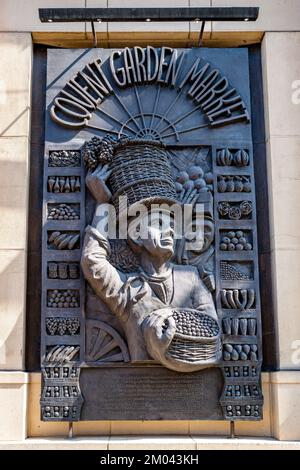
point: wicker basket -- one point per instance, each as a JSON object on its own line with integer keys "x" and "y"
{"x": 192, "y": 348}
{"x": 141, "y": 171}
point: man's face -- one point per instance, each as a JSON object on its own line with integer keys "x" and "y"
{"x": 156, "y": 234}
{"x": 197, "y": 239}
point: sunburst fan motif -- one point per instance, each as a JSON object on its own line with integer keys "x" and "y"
{"x": 148, "y": 112}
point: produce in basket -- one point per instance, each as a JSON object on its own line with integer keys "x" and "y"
{"x": 195, "y": 324}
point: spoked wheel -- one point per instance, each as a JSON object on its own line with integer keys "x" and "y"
{"x": 104, "y": 344}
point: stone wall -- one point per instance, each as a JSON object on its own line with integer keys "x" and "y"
{"x": 15, "y": 90}
{"x": 281, "y": 70}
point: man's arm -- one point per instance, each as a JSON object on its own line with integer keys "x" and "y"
{"x": 104, "y": 278}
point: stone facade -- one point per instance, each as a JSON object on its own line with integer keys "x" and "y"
{"x": 278, "y": 29}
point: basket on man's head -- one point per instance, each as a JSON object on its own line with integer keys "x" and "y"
{"x": 140, "y": 171}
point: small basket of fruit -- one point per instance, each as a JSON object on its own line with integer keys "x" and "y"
{"x": 197, "y": 336}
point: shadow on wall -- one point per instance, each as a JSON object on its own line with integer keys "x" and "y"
{"x": 20, "y": 115}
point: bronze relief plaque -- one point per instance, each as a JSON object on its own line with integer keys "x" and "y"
{"x": 144, "y": 317}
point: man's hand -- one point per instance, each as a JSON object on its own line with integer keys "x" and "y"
{"x": 159, "y": 329}
{"x": 95, "y": 182}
